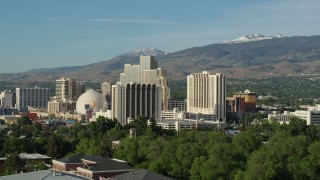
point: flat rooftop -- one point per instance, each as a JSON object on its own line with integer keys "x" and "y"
{"x": 33, "y": 156}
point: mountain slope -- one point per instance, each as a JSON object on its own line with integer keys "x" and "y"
{"x": 247, "y": 59}
{"x": 266, "y": 57}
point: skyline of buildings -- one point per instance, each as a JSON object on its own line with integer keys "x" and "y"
{"x": 141, "y": 91}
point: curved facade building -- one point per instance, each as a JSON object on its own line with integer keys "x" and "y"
{"x": 91, "y": 100}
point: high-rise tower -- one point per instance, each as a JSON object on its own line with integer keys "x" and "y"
{"x": 147, "y": 72}
{"x": 67, "y": 92}
{"x": 68, "y": 89}
{"x": 142, "y": 91}
{"x": 206, "y": 94}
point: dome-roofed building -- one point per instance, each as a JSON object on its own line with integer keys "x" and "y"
{"x": 91, "y": 100}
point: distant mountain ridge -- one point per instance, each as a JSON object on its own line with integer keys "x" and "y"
{"x": 251, "y": 38}
{"x": 259, "y": 58}
{"x": 146, "y": 52}
{"x": 132, "y": 54}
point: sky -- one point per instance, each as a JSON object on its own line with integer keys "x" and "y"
{"x": 58, "y": 33}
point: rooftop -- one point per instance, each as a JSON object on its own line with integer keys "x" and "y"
{"x": 102, "y": 164}
{"x": 141, "y": 174}
{"x": 44, "y": 175}
{"x": 33, "y": 156}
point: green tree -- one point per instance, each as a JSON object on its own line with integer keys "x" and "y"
{"x": 128, "y": 151}
{"x": 37, "y": 129}
{"x": 185, "y": 154}
{"x": 312, "y": 162}
{"x": 17, "y": 145}
{"x": 35, "y": 166}
{"x": 197, "y": 165}
{"x": 55, "y": 146}
{"x": 40, "y": 145}
{"x": 281, "y": 158}
{"x": 141, "y": 124}
{"x": 88, "y": 146}
{"x": 24, "y": 121}
{"x": 297, "y": 126}
{"x": 223, "y": 162}
{"x": 13, "y": 164}
{"x": 105, "y": 149}
{"x": 246, "y": 143}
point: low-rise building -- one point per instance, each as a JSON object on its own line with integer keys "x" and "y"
{"x": 241, "y": 103}
{"x": 189, "y": 124}
{"x": 92, "y": 167}
{"x": 107, "y": 114}
{"x": 281, "y": 118}
{"x": 25, "y": 158}
{"x": 60, "y": 106}
{"x": 10, "y": 119}
{"x": 312, "y": 117}
{"x": 206, "y": 117}
{"x": 173, "y": 114}
{"x": 179, "y": 105}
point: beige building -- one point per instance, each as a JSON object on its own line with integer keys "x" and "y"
{"x": 206, "y": 94}
{"x": 6, "y": 99}
{"x": 68, "y": 89}
{"x": 142, "y": 91}
{"x": 60, "y": 106}
{"x": 147, "y": 72}
{"x": 173, "y": 114}
{"x": 133, "y": 100}
{"x": 67, "y": 93}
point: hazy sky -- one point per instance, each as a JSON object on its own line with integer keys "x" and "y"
{"x": 55, "y": 33}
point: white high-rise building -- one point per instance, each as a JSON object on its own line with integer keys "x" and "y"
{"x": 206, "y": 94}
{"x": 35, "y": 97}
{"x": 142, "y": 91}
{"x": 118, "y": 98}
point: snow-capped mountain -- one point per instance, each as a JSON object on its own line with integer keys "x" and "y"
{"x": 252, "y": 37}
{"x": 146, "y": 52}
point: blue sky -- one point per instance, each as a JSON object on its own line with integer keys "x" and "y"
{"x": 55, "y": 33}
